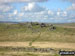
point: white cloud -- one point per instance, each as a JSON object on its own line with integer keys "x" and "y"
{"x": 15, "y": 12}
{"x": 5, "y": 8}
{"x": 58, "y": 13}
{"x": 61, "y": 13}
{"x": 29, "y": 7}
{"x": 33, "y": 7}
{"x": 71, "y": 7}
{"x": 34, "y": 12}
{"x": 64, "y": 13}
{"x": 11, "y": 1}
{"x": 50, "y": 12}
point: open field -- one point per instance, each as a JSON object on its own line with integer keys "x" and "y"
{"x": 66, "y": 25}
{"x": 23, "y": 32}
{"x": 27, "y": 35}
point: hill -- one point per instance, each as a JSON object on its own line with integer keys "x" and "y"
{"x": 31, "y": 31}
{"x": 16, "y": 37}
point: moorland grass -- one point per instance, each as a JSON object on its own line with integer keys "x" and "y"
{"x": 22, "y": 33}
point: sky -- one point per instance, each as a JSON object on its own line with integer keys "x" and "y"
{"x": 51, "y": 11}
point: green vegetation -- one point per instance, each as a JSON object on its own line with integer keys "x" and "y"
{"x": 26, "y": 32}
{"x": 56, "y": 55}
{"x": 34, "y": 32}
{"x": 24, "y": 54}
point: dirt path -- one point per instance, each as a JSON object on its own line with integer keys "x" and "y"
{"x": 40, "y": 44}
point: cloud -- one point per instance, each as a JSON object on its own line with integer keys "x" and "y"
{"x": 43, "y": 16}
{"x": 36, "y": 15}
{"x": 73, "y": 4}
{"x": 5, "y": 8}
{"x": 30, "y": 12}
{"x": 50, "y": 12}
{"x": 11, "y": 1}
{"x": 15, "y": 12}
{"x": 73, "y": 1}
{"x": 64, "y": 13}
{"x": 34, "y": 12}
{"x": 32, "y": 7}
{"x": 71, "y": 7}
{"x": 58, "y": 13}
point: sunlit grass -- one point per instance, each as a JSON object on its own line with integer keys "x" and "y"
{"x": 17, "y": 32}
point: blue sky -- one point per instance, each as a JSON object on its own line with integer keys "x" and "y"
{"x": 51, "y": 4}
{"x": 53, "y": 11}
{"x": 55, "y": 4}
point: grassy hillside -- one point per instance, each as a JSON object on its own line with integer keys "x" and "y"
{"x": 15, "y": 37}
{"x": 27, "y": 32}
{"x": 69, "y": 25}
